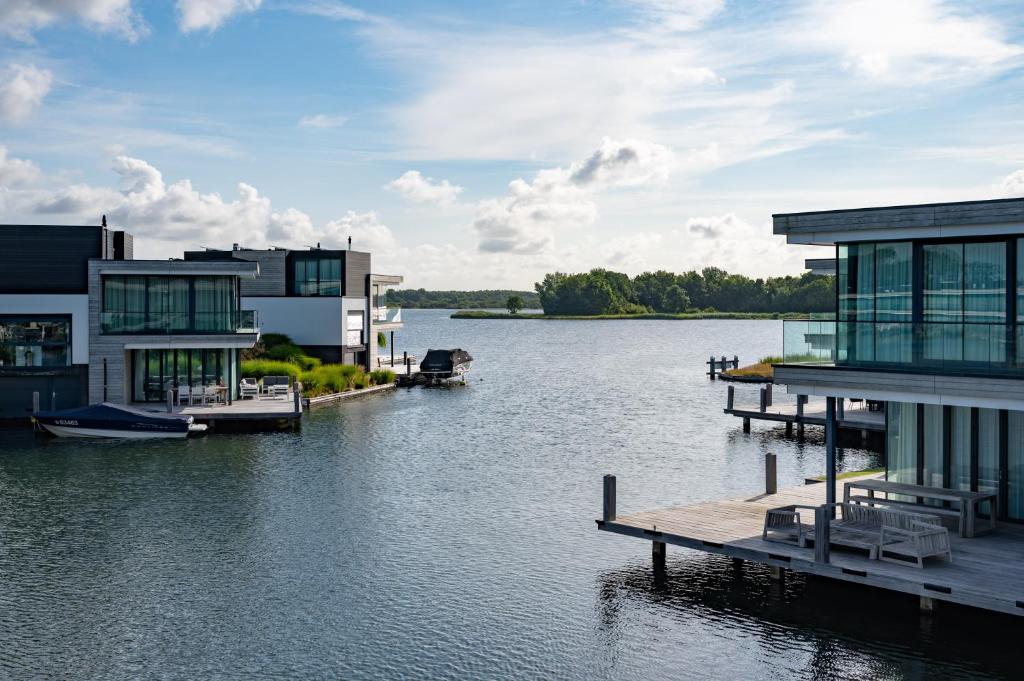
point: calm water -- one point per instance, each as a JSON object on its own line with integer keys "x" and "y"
{"x": 448, "y": 533}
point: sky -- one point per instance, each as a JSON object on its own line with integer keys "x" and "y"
{"x": 471, "y": 144}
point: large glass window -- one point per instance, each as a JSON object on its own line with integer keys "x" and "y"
{"x": 1015, "y": 465}
{"x": 315, "y": 276}
{"x": 875, "y": 283}
{"x": 159, "y": 304}
{"x": 31, "y": 341}
{"x": 960, "y": 449}
{"x": 154, "y": 372}
{"x": 901, "y": 442}
{"x": 933, "y": 446}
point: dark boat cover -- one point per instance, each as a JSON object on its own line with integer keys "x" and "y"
{"x": 115, "y": 417}
{"x": 443, "y": 361}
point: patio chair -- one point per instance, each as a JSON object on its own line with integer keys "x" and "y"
{"x": 211, "y": 394}
{"x": 784, "y": 525}
{"x": 184, "y": 394}
{"x": 247, "y": 387}
{"x": 913, "y": 545}
{"x": 197, "y": 394}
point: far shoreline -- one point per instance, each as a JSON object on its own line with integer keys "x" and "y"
{"x": 682, "y": 316}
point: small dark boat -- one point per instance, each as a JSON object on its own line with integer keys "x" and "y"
{"x": 115, "y": 420}
{"x": 445, "y": 364}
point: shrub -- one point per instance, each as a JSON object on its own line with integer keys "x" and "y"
{"x": 258, "y": 368}
{"x": 770, "y": 359}
{"x": 285, "y": 352}
{"x": 382, "y": 376}
{"x": 272, "y": 340}
{"x": 332, "y": 378}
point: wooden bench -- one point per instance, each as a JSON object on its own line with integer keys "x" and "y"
{"x": 965, "y": 504}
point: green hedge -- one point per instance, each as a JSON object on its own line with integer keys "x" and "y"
{"x": 258, "y": 368}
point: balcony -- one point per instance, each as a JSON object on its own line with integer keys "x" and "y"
{"x": 951, "y": 348}
{"x": 387, "y": 315}
{"x": 179, "y": 323}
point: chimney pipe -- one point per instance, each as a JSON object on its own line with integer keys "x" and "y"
{"x": 104, "y": 220}
{"x": 350, "y": 243}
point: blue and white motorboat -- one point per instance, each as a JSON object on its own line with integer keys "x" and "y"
{"x": 116, "y": 420}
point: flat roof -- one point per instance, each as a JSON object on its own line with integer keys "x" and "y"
{"x": 917, "y": 221}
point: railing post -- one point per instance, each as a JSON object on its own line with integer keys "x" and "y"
{"x": 608, "y": 513}
{"x": 764, "y": 401}
{"x": 770, "y": 470}
{"x": 821, "y": 534}
{"x": 730, "y": 397}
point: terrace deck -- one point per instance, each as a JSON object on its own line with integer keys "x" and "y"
{"x": 814, "y": 415}
{"x": 985, "y": 572}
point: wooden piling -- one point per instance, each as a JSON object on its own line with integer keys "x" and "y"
{"x": 789, "y": 427}
{"x": 170, "y": 400}
{"x": 658, "y": 552}
{"x": 297, "y": 396}
{"x": 768, "y": 390}
{"x": 735, "y": 362}
{"x": 763, "y": 406}
{"x": 770, "y": 474}
{"x": 821, "y": 533}
{"x": 711, "y": 371}
{"x": 608, "y": 513}
{"x": 35, "y": 402}
{"x": 801, "y": 400}
{"x": 927, "y": 605}
{"x": 730, "y": 397}
{"x": 776, "y": 573}
{"x": 746, "y": 424}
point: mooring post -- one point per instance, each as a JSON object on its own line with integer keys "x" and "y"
{"x": 764, "y": 401}
{"x": 658, "y": 554}
{"x": 711, "y": 363}
{"x": 392, "y": 350}
{"x": 608, "y": 513}
{"x": 776, "y": 574}
{"x": 789, "y": 427}
{"x": 408, "y": 367}
{"x": 746, "y": 424}
{"x": 768, "y": 388}
{"x": 170, "y": 400}
{"x": 735, "y": 361}
{"x": 801, "y": 400}
{"x": 297, "y": 397}
{"x": 730, "y": 397}
{"x": 927, "y": 605}
{"x": 821, "y": 533}
{"x": 770, "y": 471}
{"x": 841, "y": 408}
{"x": 35, "y": 402}
{"x": 724, "y": 364}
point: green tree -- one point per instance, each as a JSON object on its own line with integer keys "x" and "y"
{"x": 382, "y": 340}
{"x": 514, "y": 304}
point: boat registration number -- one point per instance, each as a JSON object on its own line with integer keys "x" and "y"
{"x": 65, "y": 422}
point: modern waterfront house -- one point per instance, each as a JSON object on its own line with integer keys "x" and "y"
{"x": 325, "y": 300}
{"x": 81, "y": 321}
{"x": 930, "y": 320}
{"x": 930, "y": 324}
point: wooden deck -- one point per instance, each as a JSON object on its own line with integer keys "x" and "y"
{"x": 985, "y": 572}
{"x": 814, "y": 415}
{"x": 262, "y": 414}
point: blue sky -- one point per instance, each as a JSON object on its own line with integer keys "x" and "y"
{"x": 475, "y": 144}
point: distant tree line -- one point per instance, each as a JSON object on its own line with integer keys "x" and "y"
{"x": 601, "y": 291}
{"x": 460, "y": 300}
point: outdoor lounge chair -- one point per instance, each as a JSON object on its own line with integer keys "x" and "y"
{"x": 920, "y": 541}
{"x": 247, "y": 387}
{"x": 784, "y": 525}
{"x": 865, "y": 527}
{"x": 275, "y": 385}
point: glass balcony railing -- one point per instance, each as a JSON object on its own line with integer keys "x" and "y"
{"x": 184, "y": 323}
{"x": 932, "y": 347}
{"x": 387, "y": 315}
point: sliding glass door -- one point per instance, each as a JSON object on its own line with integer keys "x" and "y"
{"x": 154, "y": 372}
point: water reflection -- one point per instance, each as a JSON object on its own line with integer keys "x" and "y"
{"x": 806, "y": 627}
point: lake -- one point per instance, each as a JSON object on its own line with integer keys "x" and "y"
{"x": 449, "y": 533}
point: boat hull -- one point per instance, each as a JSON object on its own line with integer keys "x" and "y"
{"x": 71, "y": 431}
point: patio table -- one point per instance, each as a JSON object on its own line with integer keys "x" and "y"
{"x": 966, "y": 503}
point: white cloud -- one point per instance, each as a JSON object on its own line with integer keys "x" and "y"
{"x": 679, "y": 15}
{"x": 415, "y": 187}
{"x": 630, "y": 253}
{"x": 1013, "y": 185}
{"x": 15, "y": 172}
{"x": 20, "y": 19}
{"x": 209, "y": 15}
{"x": 910, "y": 40}
{"x": 367, "y": 231}
{"x": 322, "y": 121}
{"x": 522, "y": 222}
{"x": 338, "y": 11}
{"x": 22, "y": 88}
{"x": 714, "y": 226}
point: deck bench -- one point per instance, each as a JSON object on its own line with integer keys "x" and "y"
{"x": 784, "y": 525}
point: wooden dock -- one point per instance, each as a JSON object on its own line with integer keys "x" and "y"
{"x": 985, "y": 571}
{"x": 266, "y": 413}
{"x": 803, "y": 413}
